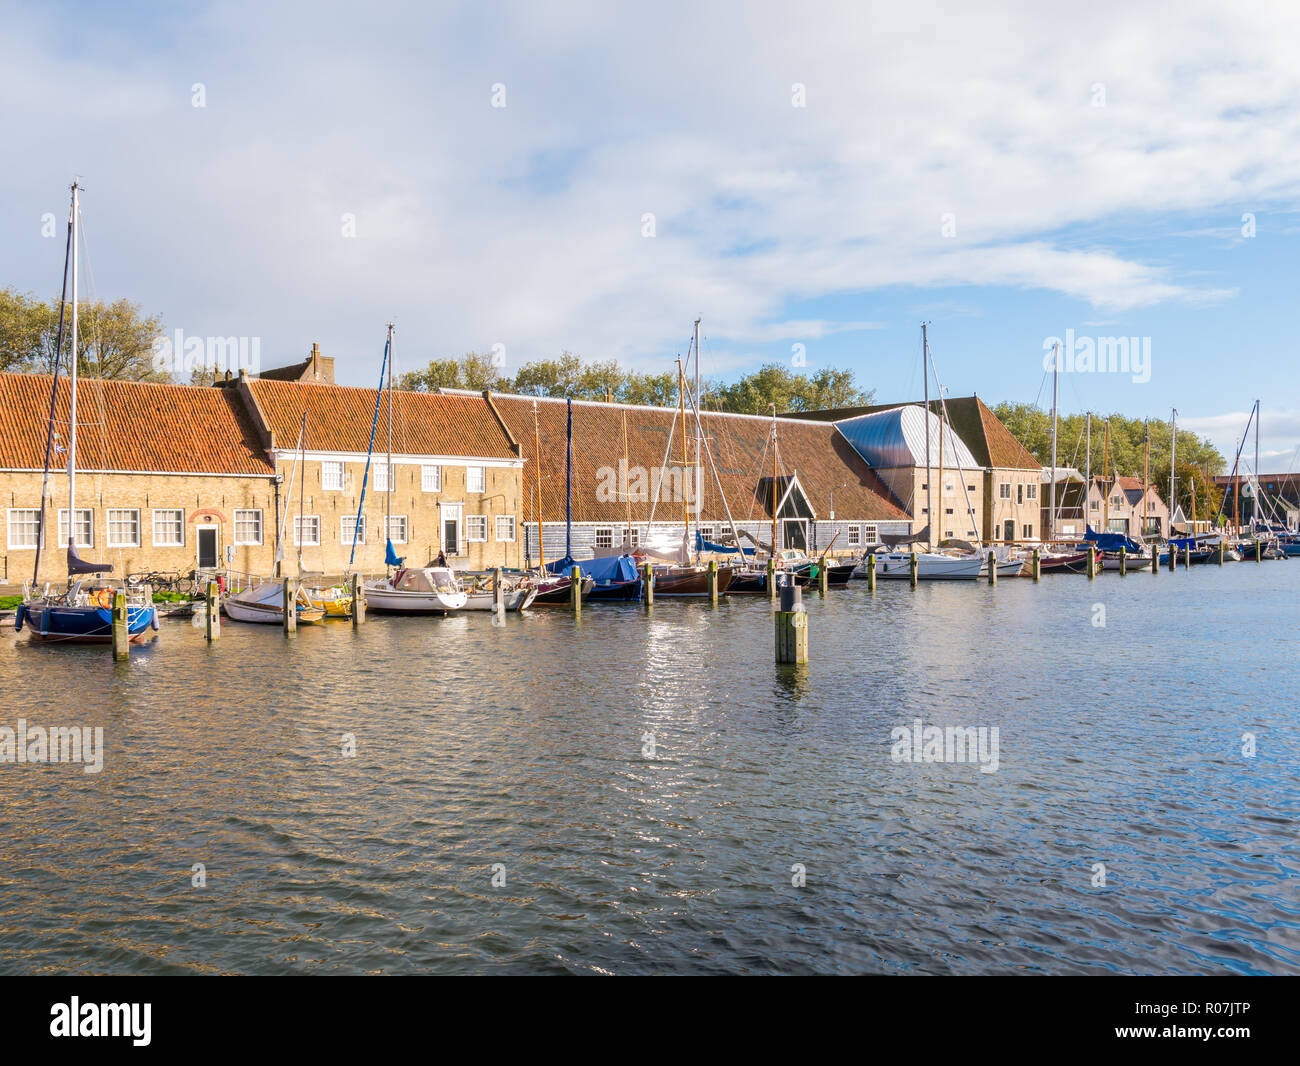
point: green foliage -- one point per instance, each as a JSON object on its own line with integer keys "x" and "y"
{"x": 114, "y": 340}
{"x": 570, "y": 376}
{"x": 1032, "y": 426}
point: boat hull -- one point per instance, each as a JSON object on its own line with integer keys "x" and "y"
{"x": 897, "y": 566}
{"x": 555, "y": 593}
{"x": 268, "y": 614}
{"x": 689, "y": 582}
{"x": 616, "y": 591}
{"x": 1073, "y": 563}
{"x": 82, "y": 625}
{"x": 512, "y": 600}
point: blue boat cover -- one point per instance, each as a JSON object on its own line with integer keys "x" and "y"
{"x": 391, "y": 557}
{"x": 1181, "y": 543}
{"x": 702, "y": 545}
{"x": 1112, "y": 542}
{"x": 606, "y": 568}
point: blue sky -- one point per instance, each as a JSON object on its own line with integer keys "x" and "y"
{"x": 1092, "y": 169}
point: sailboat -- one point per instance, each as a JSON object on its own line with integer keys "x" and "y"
{"x": 82, "y": 612}
{"x": 410, "y": 590}
{"x": 930, "y": 565}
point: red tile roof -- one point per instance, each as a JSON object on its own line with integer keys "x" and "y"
{"x": 130, "y": 426}
{"x": 339, "y": 418}
{"x": 817, "y": 452}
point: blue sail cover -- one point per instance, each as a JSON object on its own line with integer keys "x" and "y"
{"x": 702, "y": 545}
{"x": 1182, "y": 543}
{"x": 391, "y": 558}
{"x": 606, "y": 568}
{"x": 1111, "y": 542}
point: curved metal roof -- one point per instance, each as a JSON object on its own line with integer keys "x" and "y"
{"x": 896, "y": 437}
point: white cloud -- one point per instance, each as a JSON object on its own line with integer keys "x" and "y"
{"x": 522, "y": 225}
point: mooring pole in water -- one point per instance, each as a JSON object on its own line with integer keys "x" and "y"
{"x": 1037, "y": 566}
{"x": 791, "y": 627}
{"x": 358, "y": 601}
{"x": 575, "y": 590}
{"x": 915, "y": 567}
{"x": 823, "y": 578}
{"x": 648, "y": 584}
{"x": 498, "y": 591}
{"x": 713, "y": 582}
{"x": 1092, "y": 563}
{"x": 1155, "y": 558}
{"x": 1123, "y": 562}
{"x": 871, "y": 572}
{"x": 1187, "y": 558}
{"x": 212, "y": 624}
{"x": 1220, "y": 551}
{"x": 290, "y": 606}
{"x": 993, "y": 569}
{"x": 1173, "y": 557}
{"x": 121, "y": 639}
{"x": 1259, "y": 552}
{"x": 771, "y": 579}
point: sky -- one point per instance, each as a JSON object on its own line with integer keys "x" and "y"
{"x": 813, "y": 181}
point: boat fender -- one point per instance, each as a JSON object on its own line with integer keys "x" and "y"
{"x": 18, "y": 618}
{"x": 153, "y": 619}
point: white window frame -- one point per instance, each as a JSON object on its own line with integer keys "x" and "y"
{"x": 336, "y": 470}
{"x": 108, "y": 527}
{"x": 405, "y": 528}
{"x": 471, "y": 520}
{"x": 510, "y": 539}
{"x": 346, "y": 523}
{"x": 1031, "y": 492}
{"x": 854, "y": 535}
{"x": 63, "y": 521}
{"x": 1004, "y": 490}
{"x": 383, "y": 475}
{"x": 480, "y": 474}
{"x": 36, "y": 513}
{"x": 431, "y": 478}
{"x": 239, "y": 541}
{"x": 298, "y": 519}
{"x": 179, "y": 512}
{"x": 603, "y": 537}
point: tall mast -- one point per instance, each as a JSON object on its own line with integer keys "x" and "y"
{"x": 1105, "y": 476}
{"x": 681, "y": 411}
{"x": 388, "y": 476}
{"x": 699, "y": 436}
{"x": 1173, "y": 451}
{"x": 929, "y": 492}
{"x": 1087, "y": 468}
{"x": 302, "y": 485}
{"x": 1056, "y": 363}
{"x": 1254, "y": 500}
{"x": 1146, "y": 476}
{"x": 537, "y": 466}
{"x": 627, "y": 491}
{"x": 775, "y": 498}
{"x": 72, "y": 378}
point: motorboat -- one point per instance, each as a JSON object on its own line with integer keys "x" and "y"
{"x": 264, "y": 603}
{"x": 417, "y": 590}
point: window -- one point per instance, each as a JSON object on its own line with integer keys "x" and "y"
{"x": 123, "y": 527}
{"x": 604, "y": 537}
{"x": 348, "y": 524}
{"x": 1027, "y": 532}
{"x": 306, "y": 530}
{"x": 970, "y": 488}
{"x": 635, "y": 536}
{"x": 397, "y": 528}
{"x": 248, "y": 527}
{"x": 24, "y": 527}
{"x": 475, "y": 479}
{"x": 1031, "y": 492}
{"x": 382, "y": 475}
{"x": 168, "y": 528}
{"x": 947, "y": 510}
{"x": 85, "y": 528}
{"x": 331, "y": 477}
{"x": 1094, "y": 505}
{"x": 431, "y": 478}
{"x": 855, "y": 536}
{"x": 476, "y": 527}
{"x": 505, "y": 527}
{"x": 1020, "y": 494}
{"x": 869, "y": 532}
{"x": 1004, "y": 490}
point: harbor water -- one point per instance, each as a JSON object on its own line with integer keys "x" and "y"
{"x": 643, "y": 791}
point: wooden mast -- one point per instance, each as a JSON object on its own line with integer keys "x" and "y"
{"x": 929, "y": 491}
{"x": 627, "y": 490}
{"x": 775, "y": 498}
{"x": 681, "y": 410}
{"x": 537, "y": 467}
{"x": 388, "y": 473}
{"x": 72, "y": 384}
{"x": 1105, "y": 476}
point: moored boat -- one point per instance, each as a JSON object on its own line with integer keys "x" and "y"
{"x": 264, "y": 604}
{"x": 416, "y": 590}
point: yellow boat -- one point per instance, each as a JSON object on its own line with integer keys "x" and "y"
{"x": 335, "y": 601}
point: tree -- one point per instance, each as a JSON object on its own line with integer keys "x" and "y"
{"x": 775, "y": 383}
{"x": 470, "y": 371}
{"x": 114, "y": 340}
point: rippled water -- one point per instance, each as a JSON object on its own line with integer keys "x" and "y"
{"x": 522, "y": 744}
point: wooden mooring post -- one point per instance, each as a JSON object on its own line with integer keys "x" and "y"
{"x": 121, "y": 638}
{"x": 1092, "y": 563}
{"x": 993, "y": 569}
{"x": 823, "y": 577}
{"x": 713, "y": 582}
{"x": 1173, "y": 557}
{"x": 1155, "y": 559}
{"x": 290, "y": 606}
{"x": 498, "y": 591}
{"x": 1123, "y": 562}
{"x": 791, "y": 627}
{"x": 648, "y": 584}
{"x": 575, "y": 590}
{"x": 1259, "y": 551}
{"x": 212, "y": 624}
{"x": 915, "y": 569}
{"x": 1037, "y": 565}
{"x": 871, "y": 572}
{"x": 771, "y": 578}
{"x": 1187, "y": 557}
{"x": 1220, "y": 551}
{"x": 358, "y": 601}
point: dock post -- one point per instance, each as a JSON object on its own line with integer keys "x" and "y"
{"x": 915, "y": 568}
{"x": 1259, "y": 553}
{"x": 871, "y": 572}
{"x": 713, "y": 582}
{"x": 1173, "y": 557}
{"x": 1037, "y": 565}
{"x": 212, "y": 625}
{"x": 575, "y": 590}
{"x": 993, "y": 569}
{"x": 358, "y": 601}
{"x": 290, "y": 607}
{"x": 1220, "y": 551}
{"x": 1187, "y": 556}
{"x": 823, "y": 577}
{"x": 771, "y": 579}
{"x": 1092, "y": 563}
{"x": 1155, "y": 558}
{"x": 791, "y": 628}
{"x": 1123, "y": 562}
{"x": 498, "y": 591}
{"x": 648, "y": 584}
{"x": 121, "y": 639}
